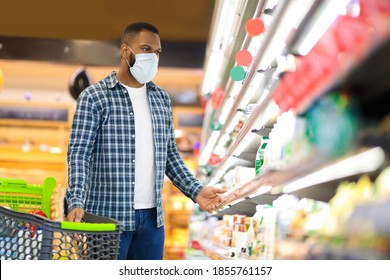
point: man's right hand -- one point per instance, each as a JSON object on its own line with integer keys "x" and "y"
{"x": 75, "y": 215}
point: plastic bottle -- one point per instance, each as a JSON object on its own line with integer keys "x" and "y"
{"x": 250, "y": 239}
{"x": 268, "y": 232}
{"x": 260, "y": 155}
{"x": 257, "y": 220}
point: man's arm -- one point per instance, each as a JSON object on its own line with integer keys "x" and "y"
{"x": 208, "y": 198}
{"x": 81, "y": 141}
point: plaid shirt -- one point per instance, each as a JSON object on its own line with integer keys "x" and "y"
{"x": 102, "y": 146}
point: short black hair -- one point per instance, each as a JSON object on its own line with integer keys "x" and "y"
{"x": 133, "y": 29}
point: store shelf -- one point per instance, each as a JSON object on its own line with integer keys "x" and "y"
{"x": 332, "y": 65}
{"x": 273, "y": 36}
{"x": 317, "y": 179}
{"x": 370, "y": 83}
{"x": 246, "y": 142}
{"x": 218, "y": 253}
{"x": 348, "y": 75}
{"x": 322, "y": 252}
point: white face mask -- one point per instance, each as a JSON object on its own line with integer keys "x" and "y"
{"x": 145, "y": 67}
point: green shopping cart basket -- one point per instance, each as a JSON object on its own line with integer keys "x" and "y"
{"x": 26, "y": 236}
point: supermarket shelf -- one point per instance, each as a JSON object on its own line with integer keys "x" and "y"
{"x": 218, "y": 253}
{"x": 370, "y": 82}
{"x": 295, "y": 249}
{"x": 355, "y": 72}
{"x": 253, "y": 69}
{"x": 313, "y": 249}
{"x": 316, "y": 180}
{"x": 322, "y": 252}
{"x": 269, "y": 38}
{"x": 350, "y": 75}
{"x": 245, "y": 207}
{"x": 362, "y": 70}
{"x": 243, "y": 138}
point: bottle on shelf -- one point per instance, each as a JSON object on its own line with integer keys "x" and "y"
{"x": 250, "y": 238}
{"x": 260, "y": 154}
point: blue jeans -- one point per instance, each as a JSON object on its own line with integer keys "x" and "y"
{"x": 147, "y": 241}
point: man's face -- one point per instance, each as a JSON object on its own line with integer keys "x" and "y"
{"x": 145, "y": 42}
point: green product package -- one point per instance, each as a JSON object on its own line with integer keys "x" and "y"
{"x": 260, "y": 155}
{"x": 333, "y": 123}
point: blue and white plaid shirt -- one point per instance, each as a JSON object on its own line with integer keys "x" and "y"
{"x": 101, "y": 148}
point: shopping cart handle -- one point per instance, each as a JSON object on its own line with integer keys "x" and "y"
{"x": 91, "y": 223}
{"x": 87, "y": 226}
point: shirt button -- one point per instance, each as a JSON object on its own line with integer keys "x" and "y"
{"x": 132, "y": 136}
{"x": 133, "y": 160}
{"x": 131, "y": 113}
{"x": 133, "y": 183}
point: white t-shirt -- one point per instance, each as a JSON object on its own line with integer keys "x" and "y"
{"x": 145, "y": 171}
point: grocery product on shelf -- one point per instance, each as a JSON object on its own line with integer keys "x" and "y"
{"x": 293, "y": 228}
{"x": 328, "y": 129}
{"x": 342, "y": 204}
{"x": 314, "y": 186}
{"x": 285, "y": 206}
{"x": 346, "y": 41}
{"x": 308, "y": 219}
{"x": 288, "y": 143}
{"x": 236, "y": 178}
{"x": 383, "y": 184}
{"x": 257, "y": 219}
{"x": 250, "y": 238}
{"x": 260, "y": 155}
{"x": 333, "y": 125}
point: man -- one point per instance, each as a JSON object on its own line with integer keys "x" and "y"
{"x": 122, "y": 143}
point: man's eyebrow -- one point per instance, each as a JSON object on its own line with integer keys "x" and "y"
{"x": 149, "y": 46}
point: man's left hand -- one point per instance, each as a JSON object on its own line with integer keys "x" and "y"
{"x": 210, "y": 199}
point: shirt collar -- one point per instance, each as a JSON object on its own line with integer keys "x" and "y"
{"x": 111, "y": 80}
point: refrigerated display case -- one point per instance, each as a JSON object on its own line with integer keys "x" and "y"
{"x": 317, "y": 90}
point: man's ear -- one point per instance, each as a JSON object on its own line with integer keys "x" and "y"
{"x": 124, "y": 50}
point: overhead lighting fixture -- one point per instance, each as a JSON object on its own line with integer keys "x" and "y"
{"x": 55, "y": 150}
{"x": 179, "y": 133}
{"x": 222, "y": 32}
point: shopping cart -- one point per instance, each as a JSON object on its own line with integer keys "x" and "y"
{"x": 26, "y": 236}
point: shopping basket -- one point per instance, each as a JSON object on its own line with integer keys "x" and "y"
{"x": 26, "y": 236}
